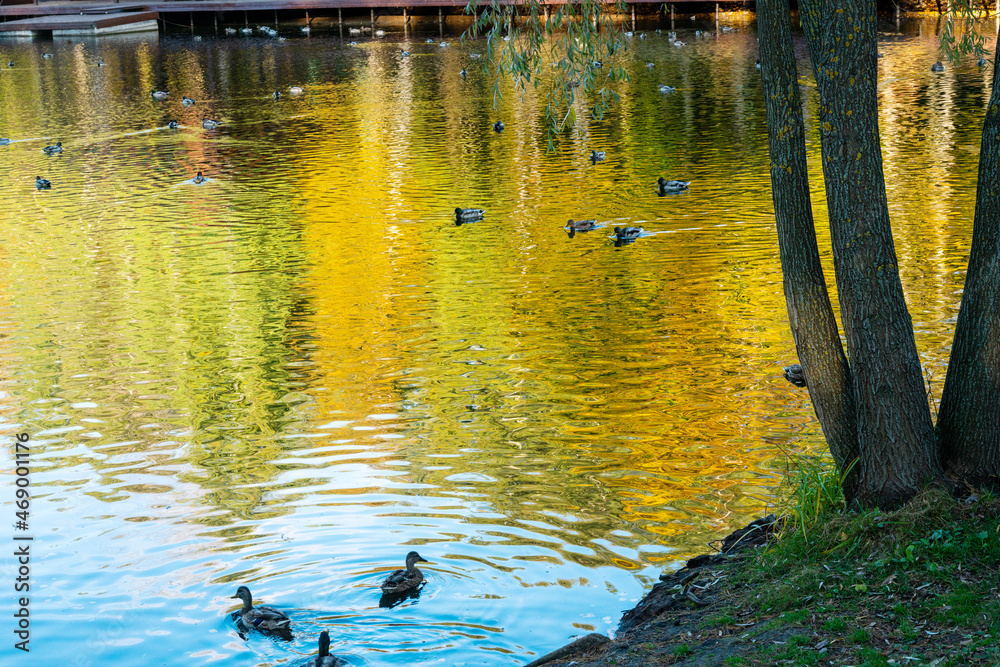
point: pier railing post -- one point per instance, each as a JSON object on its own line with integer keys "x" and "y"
{"x": 671, "y": 15}
{"x": 716, "y": 12}
{"x": 633, "y": 17}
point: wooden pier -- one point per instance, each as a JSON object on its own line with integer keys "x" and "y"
{"x": 31, "y": 17}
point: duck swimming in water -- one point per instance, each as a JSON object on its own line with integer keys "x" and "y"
{"x": 596, "y": 156}
{"x": 265, "y": 619}
{"x": 210, "y": 124}
{"x": 795, "y": 375}
{"x": 172, "y": 125}
{"x": 52, "y": 150}
{"x": 296, "y": 90}
{"x": 937, "y": 67}
{"x": 187, "y": 101}
{"x": 402, "y": 581}
{"x": 276, "y": 94}
{"x": 498, "y": 126}
{"x": 199, "y": 179}
{"x": 581, "y": 225}
{"x": 324, "y": 659}
{"x": 672, "y": 186}
{"x": 627, "y": 232}
{"x": 159, "y": 94}
{"x": 42, "y": 183}
{"x": 468, "y": 214}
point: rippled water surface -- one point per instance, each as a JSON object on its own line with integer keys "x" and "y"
{"x": 290, "y": 375}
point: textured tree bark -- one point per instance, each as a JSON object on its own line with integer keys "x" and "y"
{"x": 969, "y": 419}
{"x": 810, "y": 314}
{"x": 895, "y": 434}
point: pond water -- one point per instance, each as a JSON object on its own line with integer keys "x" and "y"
{"x": 292, "y": 374}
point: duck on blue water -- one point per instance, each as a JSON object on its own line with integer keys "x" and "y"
{"x": 265, "y": 619}
{"x": 402, "y": 581}
{"x": 323, "y": 658}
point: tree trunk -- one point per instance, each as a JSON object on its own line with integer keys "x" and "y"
{"x": 895, "y": 433}
{"x": 810, "y": 314}
{"x": 969, "y": 420}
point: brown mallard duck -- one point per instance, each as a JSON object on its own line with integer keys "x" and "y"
{"x": 795, "y": 375}
{"x": 265, "y": 619}
{"x": 402, "y": 581}
{"x": 324, "y": 659}
{"x": 581, "y": 225}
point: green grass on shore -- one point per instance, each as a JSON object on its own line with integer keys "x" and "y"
{"x": 917, "y": 586}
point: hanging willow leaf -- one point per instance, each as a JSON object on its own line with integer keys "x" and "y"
{"x": 578, "y": 36}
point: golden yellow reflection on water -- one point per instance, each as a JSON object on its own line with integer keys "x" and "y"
{"x": 294, "y": 373}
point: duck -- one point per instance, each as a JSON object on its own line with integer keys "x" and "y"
{"x": 596, "y": 156}
{"x": 230, "y": 31}
{"x": 982, "y": 62}
{"x": 296, "y": 90}
{"x": 187, "y": 101}
{"x": 650, "y": 65}
{"x": 672, "y": 186}
{"x": 52, "y": 150}
{"x": 678, "y": 43}
{"x": 597, "y": 64}
{"x": 199, "y": 179}
{"x": 937, "y": 67}
{"x": 276, "y": 94}
{"x": 323, "y": 658}
{"x": 468, "y": 214}
{"x": 4, "y": 141}
{"x": 354, "y": 31}
{"x": 352, "y": 43}
{"x": 795, "y": 375}
{"x": 210, "y": 124}
{"x": 627, "y": 232}
{"x": 173, "y": 125}
{"x": 666, "y": 89}
{"x": 306, "y": 29}
{"x": 475, "y": 56}
{"x": 498, "y": 126}
{"x": 159, "y": 94}
{"x": 444, "y": 44}
{"x": 262, "y": 618}
{"x": 46, "y": 56}
{"x": 401, "y": 581}
{"x": 429, "y": 40}
{"x": 758, "y": 63}
{"x": 100, "y": 63}
{"x": 462, "y": 73}
{"x": 380, "y": 33}
{"x": 581, "y": 225}
{"x": 10, "y": 64}
{"x": 246, "y": 31}
{"x": 42, "y": 183}
{"x": 403, "y": 53}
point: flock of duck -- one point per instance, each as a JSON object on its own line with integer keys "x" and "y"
{"x": 268, "y": 620}
{"x": 159, "y": 95}
{"x": 622, "y": 234}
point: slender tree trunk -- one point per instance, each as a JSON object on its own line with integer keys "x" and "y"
{"x": 810, "y": 314}
{"x": 895, "y": 434}
{"x": 969, "y": 420}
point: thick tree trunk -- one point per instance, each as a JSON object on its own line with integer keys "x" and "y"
{"x": 895, "y": 434}
{"x": 810, "y": 314}
{"x": 969, "y": 420}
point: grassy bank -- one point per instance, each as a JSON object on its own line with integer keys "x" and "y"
{"x": 918, "y": 586}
